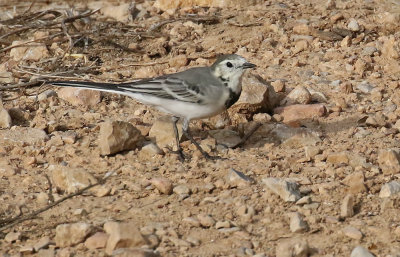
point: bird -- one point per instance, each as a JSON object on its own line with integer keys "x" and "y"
{"x": 195, "y": 93}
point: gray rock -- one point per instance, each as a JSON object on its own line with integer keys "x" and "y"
{"x": 353, "y": 25}
{"x": 365, "y": 87}
{"x": 360, "y": 251}
{"x": 237, "y": 178}
{"x": 23, "y": 135}
{"x": 287, "y": 190}
{"x": 297, "y": 224}
{"x": 389, "y": 189}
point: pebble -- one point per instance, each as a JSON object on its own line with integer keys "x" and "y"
{"x": 297, "y": 224}
{"x": 352, "y": 232}
{"x": 134, "y": 252}
{"x": 237, "y": 179}
{"x": 162, "y": 132}
{"x": 360, "y": 251}
{"x": 72, "y": 234}
{"x": 292, "y": 248}
{"x": 46, "y": 253}
{"x": 355, "y": 182}
{"x": 5, "y": 118}
{"x": 365, "y": 87}
{"x": 279, "y": 85}
{"x": 11, "y": 237}
{"x": 194, "y": 222}
{"x": 123, "y": 235}
{"x": 79, "y": 96}
{"x": 70, "y": 179}
{"x": 117, "y": 136}
{"x": 47, "y": 94}
{"x": 121, "y": 12}
{"x": 23, "y": 135}
{"x": 28, "y": 53}
{"x": 390, "y": 189}
{"x": 347, "y": 207}
{"x": 304, "y": 200}
{"x": 44, "y": 242}
{"x": 299, "y": 95}
{"x": 163, "y": 185}
{"x": 226, "y": 137}
{"x": 150, "y": 150}
{"x": 206, "y": 220}
{"x": 182, "y": 190}
{"x": 222, "y": 224}
{"x": 338, "y": 158}
{"x": 389, "y": 161}
{"x": 96, "y": 241}
{"x": 300, "y": 112}
{"x": 257, "y": 96}
{"x": 287, "y": 190}
{"x": 353, "y": 25}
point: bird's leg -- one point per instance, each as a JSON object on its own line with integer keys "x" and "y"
{"x": 185, "y": 130}
{"x": 179, "y": 148}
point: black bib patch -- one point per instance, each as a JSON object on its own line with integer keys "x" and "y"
{"x": 233, "y": 97}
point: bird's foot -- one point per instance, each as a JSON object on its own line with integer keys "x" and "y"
{"x": 181, "y": 155}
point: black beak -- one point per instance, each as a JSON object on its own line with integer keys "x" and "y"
{"x": 248, "y": 65}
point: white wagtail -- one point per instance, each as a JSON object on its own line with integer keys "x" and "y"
{"x": 195, "y": 93}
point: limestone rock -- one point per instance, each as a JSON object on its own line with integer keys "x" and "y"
{"x": 390, "y": 189}
{"x": 162, "y": 132}
{"x": 80, "y": 96}
{"x": 292, "y": 248}
{"x": 355, "y": 182}
{"x": 347, "y": 207}
{"x": 297, "y": 223}
{"x": 257, "y": 96}
{"x": 116, "y": 136}
{"x": 237, "y": 178}
{"x": 287, "y": 190}
{"x": 300, "y": 112}
{"x": 360, "y": 251}
{"x": 226, "y": 137}
{"x": 5, "y": 118}
{"x": 163, "y": 185}
{"x": 174, "y": 4}
{"x": 338, "y": 158}
{"x": 72, "y": 234}
{"x": 23, "y": 135}
{"x": 206, "y": 220}
{"x": 98, "y": 240}
{"x": 134, "y": 252}
{"x": 123, "y": 235}
{"x": 389, "y": 161}
{"x": 12, "y": 236}
{"x": 299, "y": 95}
{"x": 70, "y": 179}
{"x": 352, "y": 232}
{"x": 31, "y": 53}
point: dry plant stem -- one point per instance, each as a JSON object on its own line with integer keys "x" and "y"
{"x": 157, "y": 26}
{"x": 10, "y": 222}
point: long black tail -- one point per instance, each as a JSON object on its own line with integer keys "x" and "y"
{"x": 107, "y": 87}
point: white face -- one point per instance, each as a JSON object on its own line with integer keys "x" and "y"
{"x": 231, "y": 69}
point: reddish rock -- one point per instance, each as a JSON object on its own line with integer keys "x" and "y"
{"x": 300, "y": 112}
{"x": 80, "y": 96}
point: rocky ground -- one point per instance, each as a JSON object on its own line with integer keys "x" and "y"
{"x": 90, "y": 174}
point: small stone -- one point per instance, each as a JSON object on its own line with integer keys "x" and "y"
{"x": 287, "y": 190}
{"x": 300, "y": 46}
{"x": 6, "y": 77}
{"x": 390, "y": 189}
{"x": 26, "y": 249}
{"x": 355, "y": 182}
{"x": 134, "y": 252}
{"x": 5, "y": 118}
{"x": 262, "y": 117}
{"x": 311, "y": 151}
{"x": 70, "y": 179}
{"x": 347, "y": 207}
{"x": 46, "y": 253}
{"x": 279, "y": 85}
{"x": 11, "y": 237}
{"x": 46, "y": 94}
{"x": 237, "y": 179}
{"x": 42, "y": 243}
{"x": 338, "y": 158}
{"x": 365, "y": 87}
{"x": 352, "y": 232}
{"x": 71, "y": 234}
{"x": 353, "y": 25}
{"x": 226, "y": 137}
{"x": 257, "y": 96}
{"x": 23, "y": 135}
{"x": 389, "y": 161}
{"x": 300, "y": 112}
{"x": 206, "y": 220}
{"x": 98, "y": 240}
{"x": 116, "y": 136}
{"x": 292, "y": 248}
{"x": 299, "y": 95}
{"x": 119, "y": 12}
{"x": 390, "y": 48}
{"x": 163, "y": 185}
{"x": 181, "y": 190}
{"x": 178, "y": 61}
{"x": 162, "y": 132}
{"x": 68, "y": 137}
{"x": 100, "y": 190}
{"x": 194, "y": 222}
{"x": 80, "y": 96}
{"x": 222, "y": 224}
{"x": 150, "y": 150}
{"x": 123, "y": 235}
{"x": 302, "y": 29}
{"x": 360, "y": 251}
{"x": 297, "y": 224}
{"x": 80, "y": 212}
{"x": 28, "y": 53}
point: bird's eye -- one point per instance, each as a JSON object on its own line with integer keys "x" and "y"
{"x": 229, "y": 64}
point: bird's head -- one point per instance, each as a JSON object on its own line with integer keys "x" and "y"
{"x": 229, "y": 68}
